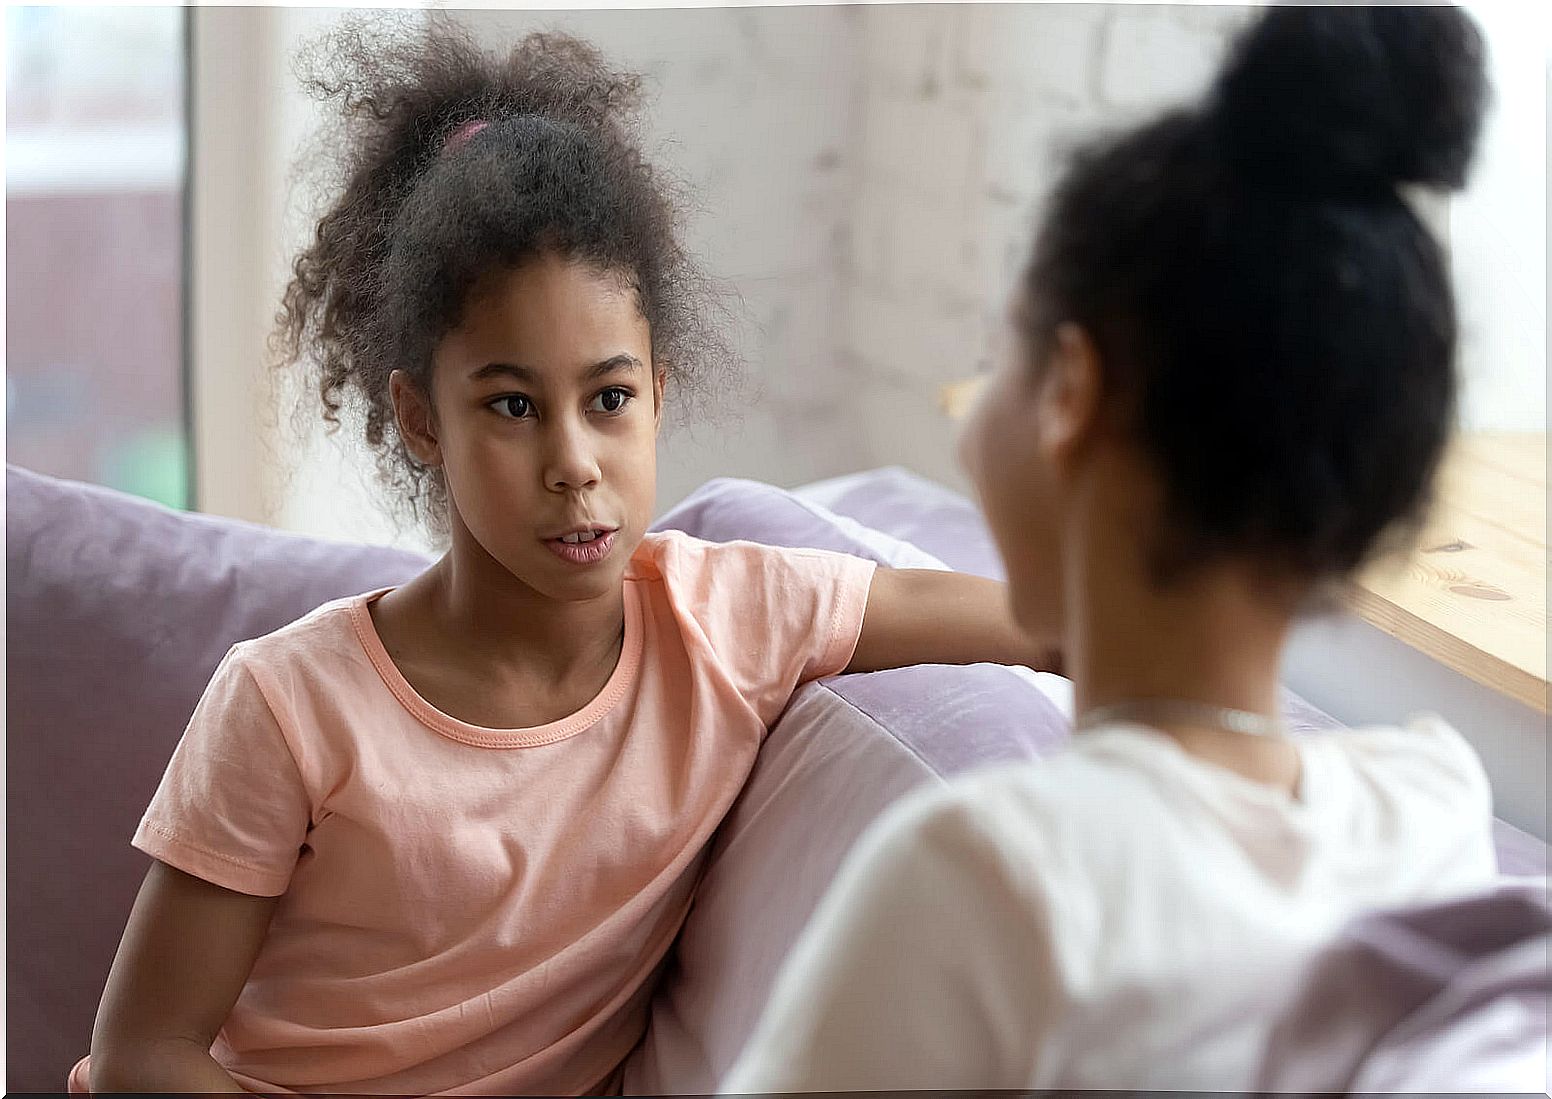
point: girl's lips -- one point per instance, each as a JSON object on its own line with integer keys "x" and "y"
{"x": 583, "y": 553}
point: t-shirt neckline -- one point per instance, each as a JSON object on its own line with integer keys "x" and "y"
{"x": 480, "y": 736}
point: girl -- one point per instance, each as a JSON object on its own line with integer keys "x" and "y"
{"x": 440, "y": 838}
{"x": 1235, "y": 376}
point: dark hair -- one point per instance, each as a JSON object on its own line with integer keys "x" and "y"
{"x": 1275, "y": 323}
{"x": 418, "y": 221}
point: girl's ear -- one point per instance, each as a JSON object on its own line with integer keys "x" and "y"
{"x": 659, "y": 382}
{"x": 1070, "y": 404}
{"x": 417, "y": 423}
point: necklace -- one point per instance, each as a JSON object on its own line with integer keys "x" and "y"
{"x": 1148, "y": 710}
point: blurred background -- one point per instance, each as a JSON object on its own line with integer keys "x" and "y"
{"x": 867, "y": 179}
{"x": 95, "y": 154}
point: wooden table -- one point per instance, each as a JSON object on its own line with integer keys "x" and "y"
{"x": 1473, "y": 596}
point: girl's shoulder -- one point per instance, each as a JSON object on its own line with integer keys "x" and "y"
{"x": 659, "y": 551}
{"x": 770, "y": 617}
{"x": 680, "y": 559}
{"x": 315, "y": 641}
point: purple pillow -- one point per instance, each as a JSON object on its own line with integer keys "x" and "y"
{"x": 842, "y": 752}
{"x": 729, "y": 509}
{"x": 926, "y": 514}
{"x": 117, "y": 612}
{"x": 1448, "y": 997}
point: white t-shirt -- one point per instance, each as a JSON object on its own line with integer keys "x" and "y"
{"x": 1121, "y": 915}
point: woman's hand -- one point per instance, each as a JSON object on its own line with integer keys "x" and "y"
{"x": 922, "y": 616}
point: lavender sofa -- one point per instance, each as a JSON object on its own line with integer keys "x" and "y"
{"x": 118, "y": 610}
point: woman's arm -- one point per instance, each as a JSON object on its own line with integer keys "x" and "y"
{"x": 185, "y": 955}
{"x": 921, "y": 616}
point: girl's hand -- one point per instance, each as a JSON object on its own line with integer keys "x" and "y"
{"x": 185, "y": 956}
{"x": 921, "y": 616}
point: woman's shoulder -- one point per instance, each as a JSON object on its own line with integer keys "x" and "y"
{"x": 1423, "y": 759}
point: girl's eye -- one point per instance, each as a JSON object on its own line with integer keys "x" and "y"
{"x": 610, "y": 401}
{"x": 513, "y": 407}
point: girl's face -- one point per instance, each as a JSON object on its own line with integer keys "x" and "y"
{"x": 544, "y": 418}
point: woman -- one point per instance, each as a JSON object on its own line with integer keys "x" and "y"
{"x": 1234, "y": 380}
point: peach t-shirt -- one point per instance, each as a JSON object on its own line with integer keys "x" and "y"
{"x": 484, "y": 910}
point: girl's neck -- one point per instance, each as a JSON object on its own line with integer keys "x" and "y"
{"x": 510, "y": 625}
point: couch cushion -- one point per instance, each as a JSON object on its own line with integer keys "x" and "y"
{"x": 844, "y": 749}
{"x": 924, "y": 513}
{"x": 1450, "y": 997}
{"x": 117, "y": 612}
{"x": 727, "y": 509}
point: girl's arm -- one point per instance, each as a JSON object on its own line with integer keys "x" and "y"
{"x": 185, "y": 956}
{"x": 919, "y": 616}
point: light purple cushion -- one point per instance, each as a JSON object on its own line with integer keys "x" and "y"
{"x": 845, "y": 748}
{"x": 922, "y": 512}
{"x": 842, "y": 752}
{"x": 729, "y": 509}
{"x": 1442, "y": 998}
{"x": 117, "y": 612}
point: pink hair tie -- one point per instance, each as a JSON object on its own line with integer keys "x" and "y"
{"x": 459, "y": 137}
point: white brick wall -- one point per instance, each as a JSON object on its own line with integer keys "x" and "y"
{"x": 867, "y": 180}
{"x": 964, "y": 109}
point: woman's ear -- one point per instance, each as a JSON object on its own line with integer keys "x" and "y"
{"x": 417, "y": 423}
{"x": 1070, "y": 401}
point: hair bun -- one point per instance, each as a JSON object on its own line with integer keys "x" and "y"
{"x": 1349, "y": 98}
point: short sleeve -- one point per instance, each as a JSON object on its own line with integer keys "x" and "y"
{"x": 773, "y": 617}
{"x": 232, "y": 808}
{"x": 926, "y": 966}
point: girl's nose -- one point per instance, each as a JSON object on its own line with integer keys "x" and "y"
{"x": 570, "y": 463}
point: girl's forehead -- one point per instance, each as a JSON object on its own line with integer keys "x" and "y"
{"x": 551, "y": 314}
{"x": 551, "y": 284}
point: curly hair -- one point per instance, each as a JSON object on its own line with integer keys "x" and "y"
{"x": 1275, "y": 322}
{"x": 419, "y": 219}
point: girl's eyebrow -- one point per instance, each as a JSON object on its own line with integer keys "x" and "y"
{"x": 624, "y": 362}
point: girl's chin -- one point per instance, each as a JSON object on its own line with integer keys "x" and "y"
{"x": 559, "y": 577}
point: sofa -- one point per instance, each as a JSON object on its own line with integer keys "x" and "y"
{"x": 118, "y": 610}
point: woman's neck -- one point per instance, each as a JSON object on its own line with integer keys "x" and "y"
{"x": 1207, "y": 642}
{"x": 1216, "y": 637}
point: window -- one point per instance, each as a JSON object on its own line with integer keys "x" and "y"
{"x": 95, "y": 230}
